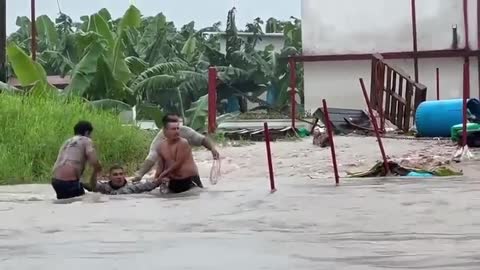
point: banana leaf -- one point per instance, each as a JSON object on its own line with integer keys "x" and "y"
{"x": 196, "y": 116}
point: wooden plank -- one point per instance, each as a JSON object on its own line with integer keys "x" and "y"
{"x": 373, "y": 83}
{"x": 399, "y": 99}
{"x": 388, "y": 91}
{"x": 393, "y": 108}
{"x": 400, "y": 105}
{"x": 408, "y": 107}
{"x": 381, "y": 112}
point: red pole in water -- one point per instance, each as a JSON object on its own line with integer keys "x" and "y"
{"x": 375, "y": 126}
{"x": 266, "y": 135}
{"x": 414, "y": 36}
{"x": 466, "y": 94}
{"x": 438, "y": 83}
{"x": 212, "y": 99}
{"x": 330, "y": 138}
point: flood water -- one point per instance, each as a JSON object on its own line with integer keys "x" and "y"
{"x": 362, "y": 224}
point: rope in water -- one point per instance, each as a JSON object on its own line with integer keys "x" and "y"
{"x": 215, "y": 171}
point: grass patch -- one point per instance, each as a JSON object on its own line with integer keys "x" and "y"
{"x": 34, "y": 127}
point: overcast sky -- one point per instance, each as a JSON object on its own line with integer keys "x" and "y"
{"x": 203, "y": 12}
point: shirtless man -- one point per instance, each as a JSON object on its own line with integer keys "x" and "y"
{"x": 176, "y": 167}
{"x": 194, "y": 138}
{"x": 71, "y": 161}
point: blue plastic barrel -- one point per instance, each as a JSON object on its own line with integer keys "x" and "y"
{"x": 434, "y": 118}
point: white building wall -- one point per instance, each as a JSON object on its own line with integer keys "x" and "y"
{"x": 375, "y": 26}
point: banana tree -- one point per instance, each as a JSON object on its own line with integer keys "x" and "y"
{"x": 149, "y": 65}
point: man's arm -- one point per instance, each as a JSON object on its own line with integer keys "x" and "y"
{"x": 183, "y": 152}
{"x": 101, "y": 187}
{"x": 207, "y": 143}
{"x": 139, "y": 187}
{"x": 94, "y": 162}
{"x": 196, "y": 139}
{"x": 160, "y": 166}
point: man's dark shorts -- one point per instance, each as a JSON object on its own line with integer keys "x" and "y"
{"x": 67, "y": 189}
{"x": 182, "y": 185}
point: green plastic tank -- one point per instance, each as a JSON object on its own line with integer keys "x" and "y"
{"x": 456, "y": 130}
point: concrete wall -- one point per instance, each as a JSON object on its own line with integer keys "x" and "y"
{"x": 371, "y": 26}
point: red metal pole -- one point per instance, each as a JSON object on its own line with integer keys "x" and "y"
{"x": 478, "y": 45}
{"x": 212, "y": 99}
{"x": 375, "y": 126}
{"x": 293, "y": 86}
{"x": 266, "y": 134}
{"x": 466, "y": 90}
{"x": 465, "y": 21}
{"x": 34, "y": 30}
{"x": 414, "y": 33}
{"x": 330, "y": 138}
{"x": 438, "y": 83}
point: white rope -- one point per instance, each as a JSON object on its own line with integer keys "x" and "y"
{"x": 215, "y": 171}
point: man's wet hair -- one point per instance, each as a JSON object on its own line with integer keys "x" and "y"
{"x": 170, "y": 118}
{"x": 82, "y": 128}
{"x": 115, "y": 167}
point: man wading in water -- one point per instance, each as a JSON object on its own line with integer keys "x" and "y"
{"x": 177, "y": 168}
{"x": 194, "y": 138}
{"x": 71, "y": 161}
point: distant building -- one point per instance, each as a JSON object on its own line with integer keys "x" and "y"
{"x": 275, "y": 39}
{"x": 338, "y": 38}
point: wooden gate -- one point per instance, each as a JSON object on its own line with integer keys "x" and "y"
{"x": 394, "y": 95}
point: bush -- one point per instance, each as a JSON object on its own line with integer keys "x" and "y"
{"x": 33, "y": 128}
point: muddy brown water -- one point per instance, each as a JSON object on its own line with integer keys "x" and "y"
{"x": 362, "y": 224}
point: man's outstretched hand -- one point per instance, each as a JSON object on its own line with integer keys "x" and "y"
{"x": 134, "y": 179}
{"x": 215, "y": 154}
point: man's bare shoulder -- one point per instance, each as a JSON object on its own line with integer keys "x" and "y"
{"x": 184, "y": 144}
{"x": 182, "y": 141}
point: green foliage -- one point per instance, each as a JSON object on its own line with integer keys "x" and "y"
{"x": 34, "y": 128}
{"x": 146, "y": 61}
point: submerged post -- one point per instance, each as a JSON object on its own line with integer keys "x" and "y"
{"x": 375, "y": 127}
{"x": 266, "y": 134}
{"x": 466, "y": 93}
{"x": 438, "y": 83}
{"x": 414, "y": 37}
{"x": 293, "y": 86}
{"x": 328, "y": 126}
{"x": 212, "y": 100}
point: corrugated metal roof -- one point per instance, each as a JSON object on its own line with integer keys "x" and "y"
{"x": 55, "y": 80}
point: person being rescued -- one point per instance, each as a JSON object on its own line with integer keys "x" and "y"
{"x": 176, "y": 168}
{"x": 117, "y": 184}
